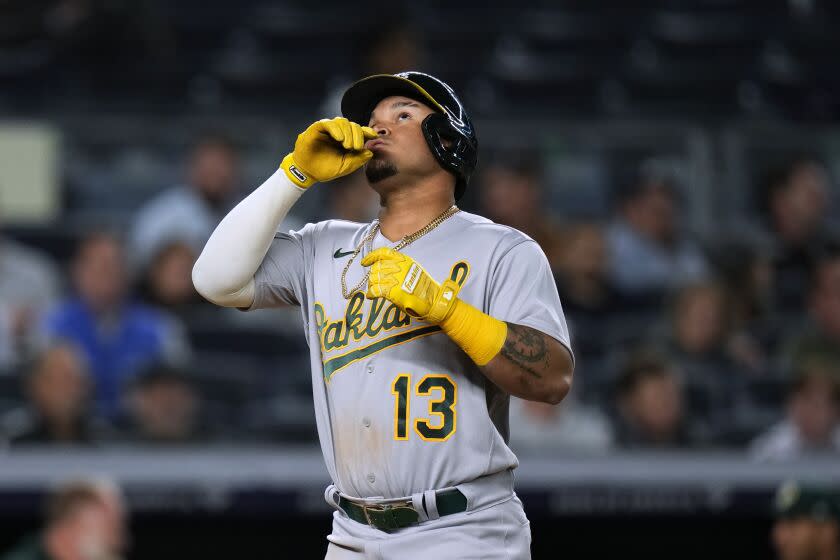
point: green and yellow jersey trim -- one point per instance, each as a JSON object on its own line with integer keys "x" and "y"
{"x": 333, "y": 365}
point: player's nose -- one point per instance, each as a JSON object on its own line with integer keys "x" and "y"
{"x": 380, "y": 129}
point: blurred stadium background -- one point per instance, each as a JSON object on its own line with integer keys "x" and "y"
{"x": 677, "y": 160}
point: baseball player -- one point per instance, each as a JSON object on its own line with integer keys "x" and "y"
{"x": 420, "y": 325}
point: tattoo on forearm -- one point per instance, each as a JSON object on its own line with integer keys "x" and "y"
{"x": 526, "y": 348}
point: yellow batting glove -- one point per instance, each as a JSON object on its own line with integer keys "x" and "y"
{"x": 400, "y": 280}
{"x": 327, "y": 150}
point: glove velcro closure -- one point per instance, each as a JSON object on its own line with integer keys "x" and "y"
{"x": 442, "y": 305}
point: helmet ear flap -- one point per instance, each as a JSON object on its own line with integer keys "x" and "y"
{"x": 449, "y": 147}
{"x": 435, "y": 126}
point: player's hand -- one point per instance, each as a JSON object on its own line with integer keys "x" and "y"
{"x": 327, "y": 150}
{"x": 399, "y": 279}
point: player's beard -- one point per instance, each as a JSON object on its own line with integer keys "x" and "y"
{"x": 379, "y": 169}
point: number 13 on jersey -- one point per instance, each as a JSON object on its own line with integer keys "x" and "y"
{"x": 440, "y": 424}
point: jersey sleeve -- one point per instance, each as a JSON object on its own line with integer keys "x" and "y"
{"x": 281, "y": 277}
{"x": 522, "y": 291}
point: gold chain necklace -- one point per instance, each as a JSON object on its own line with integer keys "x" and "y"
{"x": 405, "y": 241}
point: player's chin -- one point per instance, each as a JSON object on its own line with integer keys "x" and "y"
{"x": 379, "y": 168}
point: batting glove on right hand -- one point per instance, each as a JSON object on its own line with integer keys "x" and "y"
{"x": 402, "y": 281}
{"x": 327, "y": 150}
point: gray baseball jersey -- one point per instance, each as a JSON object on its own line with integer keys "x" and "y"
{"x": 400, "y": 408}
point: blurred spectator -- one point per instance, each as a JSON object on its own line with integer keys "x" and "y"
{"x": 807, "y": 523}
{"x": 394, "y": 47}
{"x": 85, "y": 520}
{"x": 698, "y": 346}
{"x": 648, "y": 253}
{"x": 29, "y": 283}
{"x": 582, "y": 270}
{"x": 747, "y": 274}
{"x": 812, "y": 422}
{"x": 511, "y": 193}
{"x": 189, "y": 212}
{"x": 58, "y": 391}
{"x": 796, "y": 203}
{"x": 167, "y": 282}
{"x": 699, "y": 319}
{"x": 583, "y": 284}
{"x": 571, "y": 426}
{"x": 650, "y": 410}
{"x": 163, "y": 408}
{"x": 116, "y": 335}
{"x": 749, "y": 277}
{"x": 822, "y": 334}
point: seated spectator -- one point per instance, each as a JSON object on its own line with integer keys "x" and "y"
{"x": 511, "y": 193}
{"x": 581, "y": 275}
{"x": 812, "y": 420}
{"x": 648, "y": 254}
{"x": 747, "y": 275}
{"x": 807, "y": 523}
{"x": 58, "y": 411}
{"x": 167, "y": 282}
{"x": 29, "y": 283}
{"x": 569, "y": 426}
{"x": 85, "y": 520}
{"x": 650, "y": 410}
{"x": 822, "y": 333}
{"x": 698, "y": 345}
{"x": 163, "y": 408}
{"x": 189, "y": 212}
{"x": 581, "y": 271}
{"x": 795, "y": 201}
{"x": 116, "y": 335}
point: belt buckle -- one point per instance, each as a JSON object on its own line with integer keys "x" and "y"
{"x": 384, "y": 507}
{"x": 366, "y": 508}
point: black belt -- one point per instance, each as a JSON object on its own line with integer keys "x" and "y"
{"x": 396, "y": 515}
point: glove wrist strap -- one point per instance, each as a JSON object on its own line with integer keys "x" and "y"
{"x": 477, "y": 333}
{"x": 444, "y": 302}
{"x": 295, "y": 174}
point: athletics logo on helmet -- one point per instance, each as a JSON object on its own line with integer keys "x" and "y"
{"x": 449, "y": 131}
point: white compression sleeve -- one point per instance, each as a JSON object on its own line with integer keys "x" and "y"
{"x": 224, "y": 272}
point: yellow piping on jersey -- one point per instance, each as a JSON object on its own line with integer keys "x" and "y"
{"x": 333, "y": 365}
